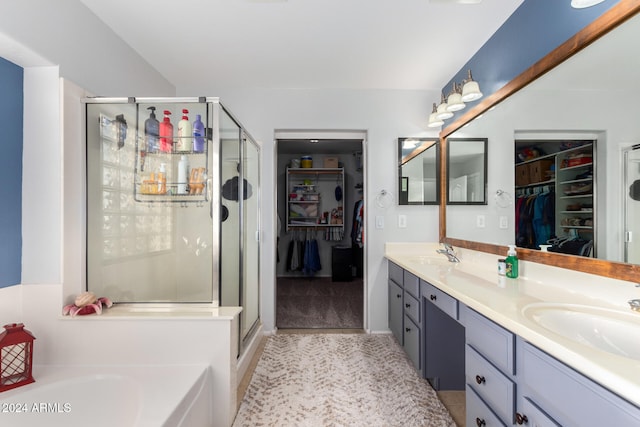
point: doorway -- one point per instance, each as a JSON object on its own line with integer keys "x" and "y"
{"x": 632, "y": 204}
{"x": 320, "y": 281}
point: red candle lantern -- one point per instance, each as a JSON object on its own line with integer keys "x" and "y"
{"x": 16, "y": 356}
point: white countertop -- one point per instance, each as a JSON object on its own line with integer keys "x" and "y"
{"x": 475, "y": 282}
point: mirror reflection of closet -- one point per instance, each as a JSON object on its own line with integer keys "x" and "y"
{"x": 555, "y": 195}
{"x": 418, "y": 171}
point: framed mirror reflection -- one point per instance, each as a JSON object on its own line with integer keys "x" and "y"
{"x": 418, "y": 171}
{"x": 563, "y": 102}
{"x": 467, "y": 171}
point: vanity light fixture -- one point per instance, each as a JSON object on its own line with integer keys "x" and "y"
{"x": 408, "y": 144}
{"x": 434, "y": 121}
{"x": 442, "y": 112}
{"x": 471, "y": 90}
{"x": 581, "y": 4}
{"x": 454, "y": 101}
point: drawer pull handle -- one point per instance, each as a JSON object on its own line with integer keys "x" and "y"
{"x": 521, "y": 419}
{"x": 407, "y": 329}
{"x": 407, "y": 305}
{"x": 480, "y": 380}
{"x": 432, "y": 297}
{"x": 398, "y": 296}
{"x": 480, "y": 422}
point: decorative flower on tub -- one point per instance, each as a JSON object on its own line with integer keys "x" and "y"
{"x": 86, "y": 303}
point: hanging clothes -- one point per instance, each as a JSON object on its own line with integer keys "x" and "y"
{"x": 311, "y": 263}
{"x": 535, "y": 219}
{"x": 357, "y": 229}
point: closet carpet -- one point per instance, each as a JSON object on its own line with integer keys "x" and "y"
{"x": 338, "y": 380}
{"x": 318, "y": 303}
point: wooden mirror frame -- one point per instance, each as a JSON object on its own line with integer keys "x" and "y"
{"x": 618, "y": 14}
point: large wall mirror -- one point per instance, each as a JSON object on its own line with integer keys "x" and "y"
{"x": 418, "y": 171}
{"x": 575, "y": 127}
{"x": 467, "y": 171}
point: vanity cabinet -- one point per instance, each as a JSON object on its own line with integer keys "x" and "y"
{"x": 405, "y": 317}
{"x": 489, "y": 370}
{"x": 551, "y": 393}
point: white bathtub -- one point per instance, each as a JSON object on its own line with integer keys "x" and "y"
{"x": 136, "y": 396}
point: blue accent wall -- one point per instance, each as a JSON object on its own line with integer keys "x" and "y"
{"x": 11, "y": 113}
{"x": 531, "y": 32}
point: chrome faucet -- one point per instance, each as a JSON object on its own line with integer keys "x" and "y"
{"x": 448, "y": 252}
{"x": 634, "y": 304}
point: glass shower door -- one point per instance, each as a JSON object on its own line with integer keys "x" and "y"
{"x": 251, "y": 237}
{"x": 632, "y": 204}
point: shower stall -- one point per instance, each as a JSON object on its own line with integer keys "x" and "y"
{"x": 173, "y": 200}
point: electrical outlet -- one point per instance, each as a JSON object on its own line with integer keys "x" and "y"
{"x": 504, "y": 221}
{"x": 402, "y": 221}
{"x": 480, "y": 221}
{"x": 379, "y": 222}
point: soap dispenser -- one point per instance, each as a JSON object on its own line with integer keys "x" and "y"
{"x": 512, "y": 262}
{"x": 151, "y": 131}
{"x": 166, "y": 133}
{"x": 198, "y": 135}
{"x": 184, "y": 133}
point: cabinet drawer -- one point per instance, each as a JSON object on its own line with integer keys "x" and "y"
{"x": 395, "y": 273}
{"x": 493, "y": 341}
{"x": 443, "y": 301}
{"x": 490, "y": 384}
{"x": 569, "y": 397}
{"x": 412, "y": 308}
{"x": 479, "y": 414}
{"x": 412, "y": 342}
{"x": 411, "y": 284}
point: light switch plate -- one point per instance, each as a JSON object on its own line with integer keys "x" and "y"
{"x": 402, "y": 221}
{"x": 380, "y": 222}
{"x": 504, "y": 221}
{"x": 480, "y": 221}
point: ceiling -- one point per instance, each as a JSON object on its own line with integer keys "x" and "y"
{"x": 201, "y": 45}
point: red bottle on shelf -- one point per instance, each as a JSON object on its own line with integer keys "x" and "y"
{"x": 166, "y": 133}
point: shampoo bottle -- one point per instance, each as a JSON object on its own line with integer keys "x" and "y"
{"x": 166, "y": 133}
{"x": 183, "y": 173}
{"x": 198, "y": 135}
{"x": 151, "y": 131}
{"x": 512, "y": 262}
{"x": 184, "y": 133}
{"x": 162, "y": 179}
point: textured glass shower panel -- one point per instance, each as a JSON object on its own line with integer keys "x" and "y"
{"x": 156, "y": 248}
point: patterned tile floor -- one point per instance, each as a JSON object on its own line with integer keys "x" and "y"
{"x": 454, "y": 401}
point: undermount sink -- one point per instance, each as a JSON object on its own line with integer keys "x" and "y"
{"x": 431, "y": 259}
{"x": 612, "y": 331}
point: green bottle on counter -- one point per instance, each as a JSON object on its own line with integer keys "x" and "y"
{"x": 512, "y": 262}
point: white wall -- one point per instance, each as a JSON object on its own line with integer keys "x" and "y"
{"x": 385, "y": 115}
{"x": 67, "y": 34}
{"x": 95, "y": 59}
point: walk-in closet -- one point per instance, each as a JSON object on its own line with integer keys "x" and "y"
{"x": 320, "y": 207}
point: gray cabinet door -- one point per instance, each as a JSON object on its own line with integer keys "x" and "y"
{"x": 412, "y": 342}
{"x": 396, "y": 311}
